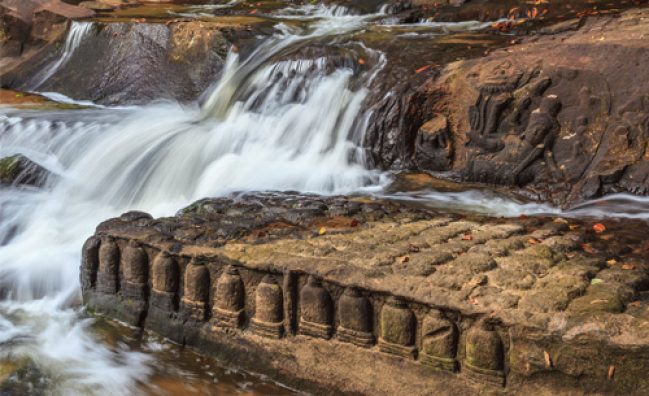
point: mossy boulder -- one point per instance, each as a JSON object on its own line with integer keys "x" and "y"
{"x": 18, "y": 169}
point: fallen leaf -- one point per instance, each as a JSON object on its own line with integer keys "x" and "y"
{"x": 634, "y": 304}
{"x": 361, "y": 61}
{"x": 423, "y": 68}
{"x": 573, "y": 227}
{"x": 467, "y": 237}
{"x": 599, "y": 227}
{"x": 322, "y": 231}
{"x": 611, "y": 262}
{"x": 628, "y": 266}
{"x": 404, "y": 259}
{"x": 548, "y": 360}
{"x": 588, "y": 248}
{"x": 596, "y": 281}
{"x": 611, "y": 372}
{"x": 533, "y": 241}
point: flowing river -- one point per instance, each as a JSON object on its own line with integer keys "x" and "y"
{"x": 266, "y": 124}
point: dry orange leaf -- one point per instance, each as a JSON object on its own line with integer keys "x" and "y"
{"x": 634, "y": 304}
{"x": 361, "y": 61}
{"x": 628, "y": 266}
{"x": 611, "y": 372}
{"x": 599, "y": 227}
{"x": 467, "y": 237}
{"x": 423, "y": 68}
{"x": 533, "y": 241}
{"x": 548, "y": 360}
{"x": 588, "y": 248}
{"x": 404, "y": 259}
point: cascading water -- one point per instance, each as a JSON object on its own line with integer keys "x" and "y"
{"x": 267, "y": 124}
{"x": 290, "y": 124}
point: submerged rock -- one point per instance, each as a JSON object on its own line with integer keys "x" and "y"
{"x": 19, "y": 169}
{"x": 304, "y": 287}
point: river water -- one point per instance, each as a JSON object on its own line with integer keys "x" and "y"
{"x": 265, "y": 125}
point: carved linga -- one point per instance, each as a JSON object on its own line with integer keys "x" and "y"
{"x": 355, "y": 317}
{"x": 228, "y": 310}
{"x": 439, "y": 342}
{"x": 484, "y": 360}
{"x": 196, "y": 290}
{"x": 89, "y": 263}
{"x": 108, "y": 271}
{"x": 316, "y": 310}
{"x": 135, "y": 266}
{"x": 165, "y": 280}
{"x": 398, "y": 328}
{"x": 269, "y": 317}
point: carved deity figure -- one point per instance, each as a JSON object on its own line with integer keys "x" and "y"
{"x": 535, "y": 142}
{"x": 495, "y": 94}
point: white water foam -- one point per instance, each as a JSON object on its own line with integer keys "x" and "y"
{"x": 268, "y": 126}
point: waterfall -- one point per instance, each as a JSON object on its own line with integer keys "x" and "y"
{"x": 77, "y": 33}
{"x": 268, "y": 124}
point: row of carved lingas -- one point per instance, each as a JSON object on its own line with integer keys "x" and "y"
{"x": 398, "y": 323}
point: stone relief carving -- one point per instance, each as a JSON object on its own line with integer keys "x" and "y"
{"x": 431, "y": 339}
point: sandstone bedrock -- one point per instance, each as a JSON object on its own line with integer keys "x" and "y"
{"x": 360, "y": 296}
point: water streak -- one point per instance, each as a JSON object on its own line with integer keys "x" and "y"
{"x": 77, "y": 33}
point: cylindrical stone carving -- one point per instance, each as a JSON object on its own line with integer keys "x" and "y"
{"x": 484, "y": 360}
{"x": 165, "y": 273}
{"x": 316, "y": 309}
{"x": 355, "y": 317}
{"x": 165, "y": 279}
{"x": 269, "y": 319}
{"x": 89, "y": 263}
{"x": 196, "y": 290}
{"x": 108, "y": 273}
{"x": 439, "y": 342}
{"x": 398, "y": 328}
{"x": 229, "y": 299}
{"x": 135, "y": 267}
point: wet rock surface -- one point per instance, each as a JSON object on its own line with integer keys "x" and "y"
{"x": 563, "y": 116}
{"x": 20, "y": 170}
{"x": 304, "y": 287}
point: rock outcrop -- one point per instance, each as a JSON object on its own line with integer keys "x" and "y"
{"x": 304, "y": 288}
{"x": 20, "y": 170}
{"x": 564, "y": 115}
